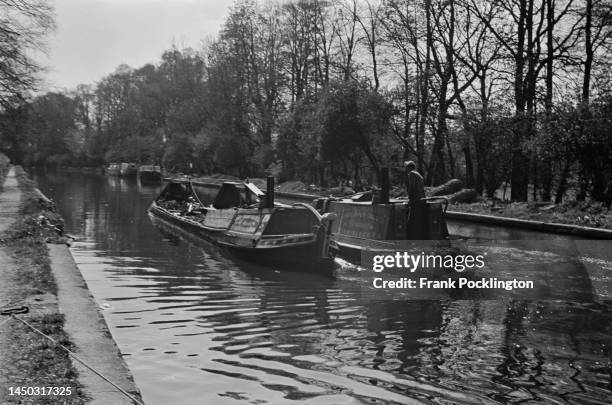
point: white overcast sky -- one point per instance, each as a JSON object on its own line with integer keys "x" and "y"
{"x": 93, "y": 37}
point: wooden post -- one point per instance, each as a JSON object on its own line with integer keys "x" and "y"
{"x": 270, "y": 192}
{"x": 384, "y": 187}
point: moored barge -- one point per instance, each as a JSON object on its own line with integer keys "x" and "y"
{"x": 150, "y": 173}
{"x": 121, "y": 169}
{"x": 128, "y": 169}
{"x": 113, "y": 169}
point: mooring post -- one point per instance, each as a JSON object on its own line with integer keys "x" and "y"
{"x": 270, "y": 192}
{"x": 384, "y": 186}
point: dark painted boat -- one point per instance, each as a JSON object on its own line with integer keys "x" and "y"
{"x": 384, "y": 224}
{"x": 246, "y": 222}
{"x": 128, "y": 169}
{"x": 150, "y": 173}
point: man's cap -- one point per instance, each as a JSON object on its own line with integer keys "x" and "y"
{"x": 409, "y": 163}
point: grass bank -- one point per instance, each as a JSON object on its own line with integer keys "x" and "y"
{"x": 27, "y": 358}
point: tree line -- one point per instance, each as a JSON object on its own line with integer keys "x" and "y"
{"x": 512, "y": 92}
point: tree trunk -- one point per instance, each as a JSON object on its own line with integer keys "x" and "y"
{"x": 546, "y": 180}
{"x": 599, "y": 186}
{"x": 583, "y": 185}
{"x": 588, "y": 48}
{"x": 562, "y": 187}
{"x": 451, "y": 158}
{"x": 424, "y": 88}
{"x": 469, "y": 166}
{"x": 546, "y": 165}
{"x": 519, "y": 179}
{"x": 550, "y": 15}
{"x": 520, "y": 162}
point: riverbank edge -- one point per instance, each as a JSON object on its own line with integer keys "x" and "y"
{"x": 60, "y": 292}
{"x": 548, "y": 227}
{"x": 541, "y": 226}
{"x": 29, "y": 359}
{"x": 88, "y": 330}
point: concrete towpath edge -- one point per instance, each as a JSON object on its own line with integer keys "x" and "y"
{"x": 88, "y": 331}
{"x": 549, "y": 227}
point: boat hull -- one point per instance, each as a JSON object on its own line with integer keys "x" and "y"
{"x": 128, "y": 172}
{"x": 149, "y": 173}
{"x": 363, "y": 226}
{"x": 150, "y": 177}
{"x": 292, "y": 258}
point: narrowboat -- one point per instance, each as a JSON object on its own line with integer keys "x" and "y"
{"x": 249, "y": 224}
{"x": 128, "y": 169}
{"x": 150, "y": 173}
{"x": 383, "y": 223}
{"x": 112, "y": 169}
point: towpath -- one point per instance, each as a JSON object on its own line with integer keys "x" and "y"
{"x": 83, "y": 321}
{"x": 10, "y": 199}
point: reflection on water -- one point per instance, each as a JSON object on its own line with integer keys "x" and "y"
{"x": 197, "y": 327}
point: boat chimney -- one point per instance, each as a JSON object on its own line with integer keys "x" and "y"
{"x": 384, "y": 186}
{"x": 270, "y": 192}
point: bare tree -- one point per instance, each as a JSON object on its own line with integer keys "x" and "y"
{"x": 348, "y": 37}
{"x": 23, "y": 27}
{"x": 442, "y": 45}
{"x": 476, "y": 55}
{"x": 409, "y": 36}
{"x": 596, "y": 34}
{"x": 370, "y": 22}
{"x": 298, "y": 45}
{"x": 325, "y": 26}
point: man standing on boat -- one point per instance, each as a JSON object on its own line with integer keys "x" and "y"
{"x": 415, "y": 188}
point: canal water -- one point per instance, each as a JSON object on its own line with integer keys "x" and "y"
{"x": 197, "y": 327}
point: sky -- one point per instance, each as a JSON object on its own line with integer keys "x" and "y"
{"x": 93, "y": 37}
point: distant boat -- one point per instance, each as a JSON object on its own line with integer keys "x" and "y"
{"x": 128, "y": 169}
{"x": 247, "y": 222}
{"x": 121, "y": 169}
{"x": 113, "y": 169}
{"x": 150, "y": 173}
